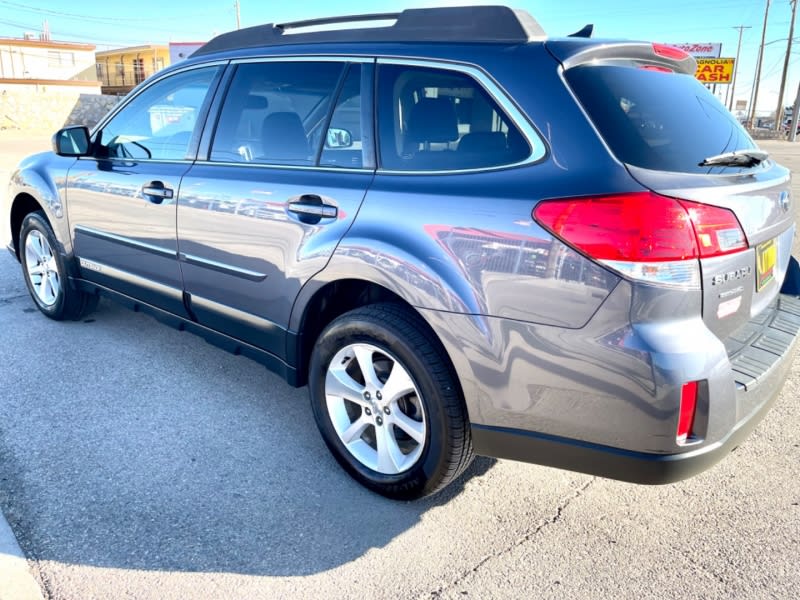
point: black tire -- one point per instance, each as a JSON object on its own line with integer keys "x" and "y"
{"x": 405, "y": 339}
{"x": 65, "y": 302}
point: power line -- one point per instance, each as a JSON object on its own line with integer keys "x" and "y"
{"x": 82, "y": 17}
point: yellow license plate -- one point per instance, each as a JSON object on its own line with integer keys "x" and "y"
{"x": 766, "y": 255}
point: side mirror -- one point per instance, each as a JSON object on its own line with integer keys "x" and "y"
{"x": 338, "y": 138}
{"x": 72, "y": 141}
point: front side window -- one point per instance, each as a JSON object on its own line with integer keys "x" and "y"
{"x": 159, "y": 123}
{"x": 275, "y": 112}
{"x": 434, "y": 119}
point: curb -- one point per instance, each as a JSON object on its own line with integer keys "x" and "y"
{"x": 16, "y": 581}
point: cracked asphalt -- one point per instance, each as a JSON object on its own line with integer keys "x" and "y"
{"x": 139, "y": 462}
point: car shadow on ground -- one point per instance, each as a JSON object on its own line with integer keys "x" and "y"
{"x": 145, "y": 448}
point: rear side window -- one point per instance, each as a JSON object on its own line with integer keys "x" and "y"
{"x": 434, "y": 119}
{"x": 656, "y": 120}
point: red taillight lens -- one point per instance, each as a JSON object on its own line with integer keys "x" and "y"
{"x": 641, "y": 227}
{"x": 718, "y": 230}
{"x": 656, "y": 68}
{"x": 687, "y": 412}
{"x": 668, "y": 51}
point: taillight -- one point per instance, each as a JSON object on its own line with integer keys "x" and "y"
{"x": 718, "y": 230}
{"x": 668, "y": 51}
{"x": 656, "y": 68}
{"x": 644, "y": 235}
{"x": 687, "y": 411}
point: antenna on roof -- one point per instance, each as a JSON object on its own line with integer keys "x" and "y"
{"x": 586, "y": 32}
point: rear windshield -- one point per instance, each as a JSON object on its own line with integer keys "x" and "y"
{"x": 656, "y": 120}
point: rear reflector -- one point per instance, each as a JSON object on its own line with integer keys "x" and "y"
{"x": 635, "y": 233}
{"x": 687, "y": 412}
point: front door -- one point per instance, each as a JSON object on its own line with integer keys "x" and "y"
{"x": 122, "y": 199}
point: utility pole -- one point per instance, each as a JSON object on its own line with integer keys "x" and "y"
{"x": 754, "y": 96}
{"x": 736, "y": 66}
{"x": 238, "y": 19}
{"x": 779, "y": 110}
{"x": 795, "y": 111}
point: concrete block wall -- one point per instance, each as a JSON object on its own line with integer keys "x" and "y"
{"x": 31, "y": 108}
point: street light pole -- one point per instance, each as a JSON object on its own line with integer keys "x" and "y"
{"x": 754, "y": 97}
{"x": 238, "y": 19}
{"x": 779, "y": 110}
{"x": 736, "y": 66}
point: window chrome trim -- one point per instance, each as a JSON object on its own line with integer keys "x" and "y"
{"x": 218, "y": 163}
{"x": 497, "y": 93}
{"x": 225, "y": 268}
{"x": 342, "y": 58}
{"x": 121, "y": 159}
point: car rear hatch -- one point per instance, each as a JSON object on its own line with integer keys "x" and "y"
{"x": 679, "y": 141}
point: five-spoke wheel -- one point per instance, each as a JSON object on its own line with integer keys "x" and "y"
{"x": 387, "y": 402}
{"x": 42, "y": 268}
{"x": 375, "y": 408}
{"x": 46, "y": 273}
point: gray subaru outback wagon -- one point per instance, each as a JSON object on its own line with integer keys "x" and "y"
{"x": 462, "y": 235}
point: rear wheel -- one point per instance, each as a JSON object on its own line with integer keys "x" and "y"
{"x": 45, "y": 272}
{"x": 387, "y": 403}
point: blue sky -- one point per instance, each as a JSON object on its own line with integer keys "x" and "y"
{"x": 109, "y": 23}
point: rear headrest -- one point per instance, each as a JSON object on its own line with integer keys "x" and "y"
{"x": 432, "y": 120}
{"x": 283, "y": 137}
{"x": 255, "y": 102}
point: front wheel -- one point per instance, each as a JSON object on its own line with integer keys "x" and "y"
{"x": 387, "y": 403}
{"x": 45, "y": 272}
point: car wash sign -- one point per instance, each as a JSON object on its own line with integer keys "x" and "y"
{"x": 715, "y": 70}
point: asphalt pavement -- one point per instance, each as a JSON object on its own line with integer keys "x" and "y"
{"x": 137, "y": 461}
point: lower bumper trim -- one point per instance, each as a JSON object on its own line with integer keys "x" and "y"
{"x": 606, "y": 461}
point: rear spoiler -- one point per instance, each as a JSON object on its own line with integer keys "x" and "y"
{"x": 573, "y": 52}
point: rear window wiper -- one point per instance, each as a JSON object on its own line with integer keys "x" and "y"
{"x": 737, "y": 158}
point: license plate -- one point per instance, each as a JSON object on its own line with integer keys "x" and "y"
{"x": 766, "y": 255}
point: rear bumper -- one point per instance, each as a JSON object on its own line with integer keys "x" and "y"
{"x": 753, "y": 400}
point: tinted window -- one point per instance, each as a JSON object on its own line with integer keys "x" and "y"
{"x": 343, "y": 147}
{"x": 274, "y": 112}
{"x": 656, "y": 120}
{"x": 159, "y": 122}
{"x": 432, "y": 119}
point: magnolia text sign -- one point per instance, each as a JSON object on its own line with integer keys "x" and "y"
{"x": 715, "y": 70}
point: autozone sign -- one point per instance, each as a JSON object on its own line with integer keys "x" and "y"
{"x": 704, "y": 50}
{"x": 715, "y": 70}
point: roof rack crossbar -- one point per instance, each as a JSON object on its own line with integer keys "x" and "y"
{"x": 335, "y": 20}
{"x": 465, "y": 24}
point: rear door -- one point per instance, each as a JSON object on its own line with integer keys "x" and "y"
{"x": 662, "y": 124}
{"x": 286, "y": 171}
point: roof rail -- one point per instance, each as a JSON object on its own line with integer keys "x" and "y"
{"x": 497, "y": 24}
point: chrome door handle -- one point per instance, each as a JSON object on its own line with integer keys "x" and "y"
{"x": 156, "y": 191}
{"x": 311, "y": 209}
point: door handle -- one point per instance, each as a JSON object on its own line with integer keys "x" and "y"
{"x": 310, "y": 209}
{"x": 156, "y": 192}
